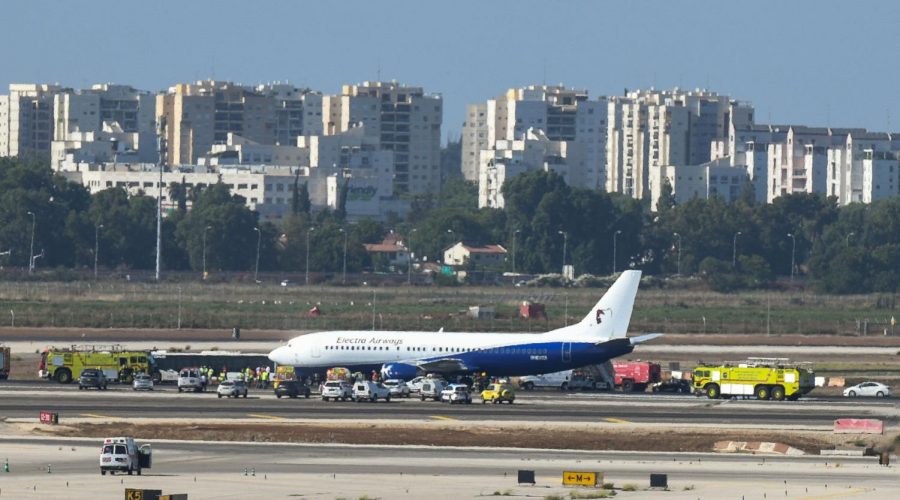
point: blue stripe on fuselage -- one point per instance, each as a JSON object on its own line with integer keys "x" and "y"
{"x": 527, "y": 359}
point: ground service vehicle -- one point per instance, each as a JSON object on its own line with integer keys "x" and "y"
{"x": 398, "y": 388}
{"x": 365, "y": 390}
{"x": 431, "y": 388}
{"x": 567, "y": 380}
{"x": 92, "y": 377}
{"x": 66, "y": 365}
{"x": 190, "y": 379}
{"x": 121, "y": 454}
{"x": 876, "y": 389}
{"x": 635, "y": 376}
{"x": 142, "y": 382}
{"x": 291, "y": 389}
{"x": 498, "y": 393}
{"x": 673, "y": 385}
{"x": 456, "y": 393}
{"x": 765, "y": 378}
{"x": 336, "y": 390}
{"x": 4, "y": 363}
{"x": 232, "y": 389}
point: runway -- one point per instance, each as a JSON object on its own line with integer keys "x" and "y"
{"x": 27, "y": 399}
{"x": 222, "y": 471}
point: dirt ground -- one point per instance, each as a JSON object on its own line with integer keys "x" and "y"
{"x": 626, "y": 438}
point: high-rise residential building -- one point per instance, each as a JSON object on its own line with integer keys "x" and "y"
{"x": 26, "y": 119}
{"x": 863, "y": 167}
{"x": 652, "y": 129}
{"x": 512, "y": 132}
{"x": 104, "y": 123}
{"x": 193, "y": 117}
{"x": 404, "y": 119}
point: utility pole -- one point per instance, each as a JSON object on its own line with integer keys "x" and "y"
{"x": 615, "y": 237}
{"x": 160, "y": 128}
{"x": 734, "y": 250}
{"x": 97, "y": 229}
{"x": 678, "y": 265}
{"x": 793, "y": 252}
{"x": 258, "y": 242}
{"x": 344, "y": 274}
{"x": 31, "y": 252}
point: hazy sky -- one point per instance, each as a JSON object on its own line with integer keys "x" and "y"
{"x": 807, "y": 62}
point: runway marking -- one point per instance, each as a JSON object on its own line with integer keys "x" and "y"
{"x": 270, "y": 417}
{"x": 839, "y": 494}
{"x": 616, "y": 420}
{"x": 441, "y": 417}
{"x": 94, "y": 415}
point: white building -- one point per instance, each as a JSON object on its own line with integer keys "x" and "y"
{"x": 651, "y": 129}
{"x": 714, "y": 178}
{"x": 484, "y": 256}
{"x": 403, "y": 119}
{"x": 26, "y": 119}
{"x": 535, "y": 127}
{"x": 107, "y": 113}
{"x": 510, "y": 158}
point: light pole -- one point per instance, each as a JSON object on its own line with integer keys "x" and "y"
{"x": 615, "y": 237}
{"x": 565, "y": 236}
{"x": 309, "y": 230}
{"x": 409, "y": 257}
{"x": 515, "y": 236}
{"x": 97, "y": 229}
{"x": 205, "y": 229}
{"x": 344, "y": 274}
{"x": 734, "y": 250}
{"x": 793, "y": 252}
{"x": 678, "y": 265}
{"x": 258, "y": 243}
{"x": 31, "y": 251}
{"x": 847, "y": 239}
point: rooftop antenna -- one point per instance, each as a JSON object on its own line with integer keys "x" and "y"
{"x": 887, "y": 119}
{"x": 544, "y": 83}
{"x": 378, "y": 79}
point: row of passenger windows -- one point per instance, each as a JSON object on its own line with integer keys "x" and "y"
{"x": 493, "y": 350}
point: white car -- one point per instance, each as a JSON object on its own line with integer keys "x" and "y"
{"x": 876, "y": 389}
{"x": 232, "y": 389}
{"x": 364, "y": 390}
{"x": 398, "y": 388}
{"x": 142, "y": 382}
{"x": 336, "y": 390}
{"x": 456, "y": 393}
{"x": 415, "y": 385}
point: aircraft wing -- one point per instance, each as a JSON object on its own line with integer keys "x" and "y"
{"x": 444, "y": 365}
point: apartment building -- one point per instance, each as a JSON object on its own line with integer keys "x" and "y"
{"x": 655, "y": 128}
{"x": 194, "y": 117}
{"x": 862, "y": 167}
{"x": 106, "y": 123}
{"x": 714, "y": 178}
{"x": 404, "y": 119}
{"x": 26, "y": 119}
{"x": 535, "y": 127}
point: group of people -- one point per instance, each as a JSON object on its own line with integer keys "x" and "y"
{"x": 262, "y": 376}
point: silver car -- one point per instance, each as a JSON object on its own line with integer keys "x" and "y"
{"x": 876, "y": 389}
{"x": 398, "y": 388}
{"x": 142, "y": 382}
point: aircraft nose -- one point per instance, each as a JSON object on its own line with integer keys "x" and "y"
{"x": 280, "y": 355}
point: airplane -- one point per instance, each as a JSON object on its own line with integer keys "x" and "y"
{"x": 597, "y": 338}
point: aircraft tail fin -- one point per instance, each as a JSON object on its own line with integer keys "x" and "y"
{"x": 610, "y": 317}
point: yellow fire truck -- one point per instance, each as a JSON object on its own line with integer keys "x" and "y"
{"x": 765, "y": 378}
{"x": 65, "y": 365}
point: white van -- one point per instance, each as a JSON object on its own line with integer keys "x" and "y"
{"x": 190, "y": 379}
{"x": 364, "y": 390}
{"x": 567, "y": 380}
{"x": 121, "y": 454}
{"x": 432, "y": 388}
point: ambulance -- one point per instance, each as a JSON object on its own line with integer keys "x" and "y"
{"x": 121, "y": 454}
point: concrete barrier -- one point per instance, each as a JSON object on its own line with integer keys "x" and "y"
{"x": 858, "y": 426}
{"x": 756, "y": 447}
{"x": 836, "y": 382}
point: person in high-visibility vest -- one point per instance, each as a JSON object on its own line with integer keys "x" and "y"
{"x": 265, "y": 380}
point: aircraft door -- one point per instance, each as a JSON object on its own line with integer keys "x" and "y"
{"x": 315, "y": 350}
{"x": 567, "y": 352}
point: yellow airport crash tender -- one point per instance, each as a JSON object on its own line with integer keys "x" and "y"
{"x": 765, "y": 378}
{"x": 65, "y": 365}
